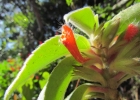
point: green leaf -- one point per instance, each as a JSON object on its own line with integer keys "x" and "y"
{"x": 21, "y": 20}
{"x": 59, "y": 80}
{"x": 94, "y": 95}
{"x": 89, "y": 75}
{"x": 125, "y": 65}
{"x": 126, "y": 51}
{"x": 127, "y": 16}
{"x": 46, "y": 53}
{"x": 83, "y": 19}
{"x": 27, "y": 92}
{"x": 125, "y": 78}
{"x": 42, "y": 82}
{"x": 108, "y": 34}
{"x": 78, "y": 93}
{"x": 69, "y": 2}
{"x": 86, "y": 92}
{"x": 96, "y": 21}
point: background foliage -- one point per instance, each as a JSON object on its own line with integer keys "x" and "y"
{"x": 25, "y": 24}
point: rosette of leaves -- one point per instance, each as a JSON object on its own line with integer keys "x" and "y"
{"x": 105, "y": 60}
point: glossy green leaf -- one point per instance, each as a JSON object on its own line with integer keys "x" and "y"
{"x": 127, "y": 16}
{"x": 59, "y": 80}
{"x": 83, "y": 19}
{"x": 46, "y": 53}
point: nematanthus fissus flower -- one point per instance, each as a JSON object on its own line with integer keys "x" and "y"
{"x": 67, "y": 38}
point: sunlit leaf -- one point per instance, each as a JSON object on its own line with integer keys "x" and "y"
{"x": 43, "y": 81}
{"x": 46, "y": 53}
{"x": 127, "y": 16}
{"x": 83, "y": 19}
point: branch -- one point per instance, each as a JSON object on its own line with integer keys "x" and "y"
{"x": 119, "y": 4}
{"x": 36, "y": 12}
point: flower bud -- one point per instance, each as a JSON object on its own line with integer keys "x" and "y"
{"x": 131, "y": 32}
{"x": 67, "y": 38}
{"x": 110, "y": 32}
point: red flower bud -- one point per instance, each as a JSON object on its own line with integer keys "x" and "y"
{"x": 131, "y": 31}
{"x": 67, "y": 38}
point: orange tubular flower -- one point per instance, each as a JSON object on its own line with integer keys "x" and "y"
{"x": 131, "y": 31}
{"x": 67, "y": 38}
